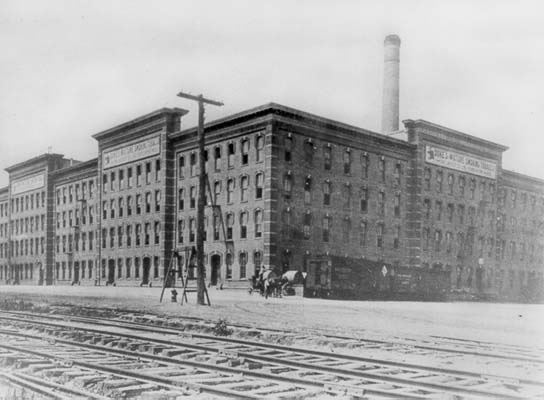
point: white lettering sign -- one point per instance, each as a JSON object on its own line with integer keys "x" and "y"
{"x": 26, "y": 184}
{"x": 460, "y": 162}
{"x": 133, "y": 152}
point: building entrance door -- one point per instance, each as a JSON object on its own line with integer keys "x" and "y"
{"x": 147, "y": 267}
{"x": 111, "y": 272}
{"x": 215, "y": 268}
{"x": 76, "y": 273}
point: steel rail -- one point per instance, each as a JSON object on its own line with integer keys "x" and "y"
{"x": 244, "y": 342}
{"x": 363, "y": 340}
{"x": 117, "y": 371}
{"x": 185, "y": 362}
{"x": 273, "y": 360}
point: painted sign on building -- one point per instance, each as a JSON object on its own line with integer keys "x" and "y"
{"x": 30, "y": 183}
{"x": 132, "y": 152}
{"x": 460, "y": 162}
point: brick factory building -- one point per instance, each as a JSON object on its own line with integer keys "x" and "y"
{"x": 284, "y": 186}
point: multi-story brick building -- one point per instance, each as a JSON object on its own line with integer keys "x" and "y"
{"x": 283, "y": 186}
{"x": 286, "y": 186}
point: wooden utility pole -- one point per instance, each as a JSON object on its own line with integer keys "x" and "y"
{"x": 201, "y": 284}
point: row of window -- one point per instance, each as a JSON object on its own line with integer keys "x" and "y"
{"x": 75, "y": 192}
{"x": 217, "y": 156}
{"x": 192, "y": 192}
{"x": 75, "y": 217}
{"x": 347, "y": 156}
{"x": 19, "y": 272}
{"x": 114, "y": 181}
{"x": 524, "y": 200}
{"x": 24, "y": 225}
{"x": 79, "y": 241}
{"x": 145, "y": 234}
{"x": 223, "y": 224}
{"x": 116, "y": 207}
{"x": 486, "y": 189}
{"x": 348, "y": 232}
{"x": 25, "y": 203}
{"x": 465, "y": 245}
{"x": 23, "y": 247}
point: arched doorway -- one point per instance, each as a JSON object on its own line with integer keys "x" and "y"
{"x": 215, "y": 265}
{"x": 146, "y": 268}
{"x": 111, "y": 272}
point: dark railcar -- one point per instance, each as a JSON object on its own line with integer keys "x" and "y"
{"x": 350, "y": 278}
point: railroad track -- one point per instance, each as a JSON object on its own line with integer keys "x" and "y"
{"x": 284, "y": 370}
{"x": 517, "y": 362}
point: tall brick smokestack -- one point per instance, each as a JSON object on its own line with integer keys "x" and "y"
{"x": 390, "y": 106}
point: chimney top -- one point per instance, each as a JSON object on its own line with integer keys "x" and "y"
{"x": 392, "y": 39}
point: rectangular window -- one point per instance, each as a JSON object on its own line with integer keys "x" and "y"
{"x": 181, "y": 199}
{"x": 157, "y": 200}
{"x": 259, "y": 146}
{"x": 112, "y": 208}
{"x": 138, "y": 234}
{"x": 439, "y": 179}
{"x": 398, "y": 173}
{"x": 147, "y": 173}
{"x": 157, "y": 231}
{"x": 244, "y": 184}
{"x": 327, "y": 193}
{"x": 129, "y": 235}
{"x": 121, "y": 179}
{"x": 112, "y": 181}
{"x": 259, "y": 183}
{"x": 128, "y": 267}
{"x": 157, "y": 170}
{"x": 138, "y": 175}
{"x": 427, "y": 178}
{"x": 192, "y": 230}
{"x": 104, "y": 185}
{"x": 362, "y": 233}
{"x": 217, "y": 158}
{"x": 192, "y": 164}
{"x": 288, "y": 148}
{"x": 230, "y": 155}
{"x": 138, "y": 204}
{"x": 112, "y": 238}
{"x": 181, "y": 167}
{"x": 129, "y": 177}
{"x": 148, "y": 202}
{"x": 347, "y": 161}
{"x": 192, "y": 197}
{"x": 245, "y": 151}
{"x": 258, "y": 223}
{"x": 181, "y": 228}
{"x": 327, "y": 158}
{"x": 397, "y": 205}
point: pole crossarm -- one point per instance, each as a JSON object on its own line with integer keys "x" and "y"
{"x": 199, "y": 98}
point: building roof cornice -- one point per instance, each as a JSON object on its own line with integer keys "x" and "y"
{"x": 430, "y": 126}
{"x": 34, "y": 160}
{"x": 155, "y": 115}
{"x": 292, "y": 113}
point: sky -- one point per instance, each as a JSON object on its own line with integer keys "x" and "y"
{"x": 70, "y": 69}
